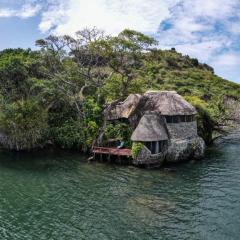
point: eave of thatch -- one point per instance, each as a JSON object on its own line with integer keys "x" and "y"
{"x": 151, "y": 128}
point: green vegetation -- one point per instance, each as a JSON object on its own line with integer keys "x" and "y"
{"x": 136, "y": 149}
{"x": 57, "y": 94}
{"x": 119, "y": 131}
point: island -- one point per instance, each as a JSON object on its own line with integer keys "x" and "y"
{"x": 116, "y": 96}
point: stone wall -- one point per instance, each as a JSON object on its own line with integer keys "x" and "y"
{"x": 185, "y": 149}
{"x": 233, "y": 107}
{"x": 145, "y": 158}
{"x": 182, "y": 130}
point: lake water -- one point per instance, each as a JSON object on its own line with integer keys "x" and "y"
{"x": 60, "y": 196}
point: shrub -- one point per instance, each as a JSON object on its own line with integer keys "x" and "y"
{"x": 24, "y": 123}
{"x": 136, "y": 149}
{"x": 69, "y": 132}
{"x": 74, "y": 134}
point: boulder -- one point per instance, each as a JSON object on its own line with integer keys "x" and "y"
{"x": 185, "y": 149}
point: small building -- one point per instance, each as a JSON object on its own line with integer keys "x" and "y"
{"x": 163, "y": 122}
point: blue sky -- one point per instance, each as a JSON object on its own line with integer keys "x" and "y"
{"x": 206, "y": 29}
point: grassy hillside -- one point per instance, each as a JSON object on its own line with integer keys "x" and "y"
{"x": 189, "y": 77}
{"x": 170, "y": 70}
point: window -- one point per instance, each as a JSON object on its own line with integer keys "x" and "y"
{"x": 169, "y": 119}
{"x": 149, "y": 145}
{"x": 183, "y": 118}
{"x": 175, "y": 119}
{"x": 188, "y": 118}
{"x": 156, "y": 147}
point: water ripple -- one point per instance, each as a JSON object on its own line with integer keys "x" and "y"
{"x": 61, "y": 196}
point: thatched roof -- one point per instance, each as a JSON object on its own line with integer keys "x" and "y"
{"x": 124, "y": 109}
{"x": 151, "y": 128}
{"x": 168, "y": 103}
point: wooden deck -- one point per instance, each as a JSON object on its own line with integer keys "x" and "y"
{"x": 112, "y": 151}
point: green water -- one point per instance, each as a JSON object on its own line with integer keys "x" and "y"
{"x": 61, "y": 196}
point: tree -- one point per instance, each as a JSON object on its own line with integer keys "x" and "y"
{"x": 75, "y": 65}
{"x": 124, "y": 55}
{"x": 18, "y": 67}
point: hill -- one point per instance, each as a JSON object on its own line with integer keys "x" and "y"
{"x": 56, "y": 95}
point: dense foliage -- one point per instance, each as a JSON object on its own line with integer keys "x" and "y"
{"x": 57, "y": 94}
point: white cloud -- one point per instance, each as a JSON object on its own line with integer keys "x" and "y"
{"x": 26, "y": 11}
{"x": 227, "y": 60}
{"x": 227, "y": 65}
{"x": 110, "y": 15}
{"x": 233, "y": 27}
{"x": 188, "y": 24}
{"x": 217, "y": 9}
{"x": 203, "y": 29}
{"x": 6, "y": 12}
{"x": 54, "y": 16}
{"x": 202, "y": 50}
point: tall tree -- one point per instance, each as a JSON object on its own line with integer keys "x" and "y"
{"x": 125, "y": 54}
{"x": 74, "y": 63}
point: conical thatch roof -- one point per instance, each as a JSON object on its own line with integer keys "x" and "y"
{"x": 124, "y": 109}
{"x": 168, "y": 103}
{"x": 150, "y": 129}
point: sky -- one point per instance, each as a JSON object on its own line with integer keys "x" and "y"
{"x": 205, "y": 29}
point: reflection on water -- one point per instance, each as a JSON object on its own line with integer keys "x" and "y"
{"x": 61, "y": 196}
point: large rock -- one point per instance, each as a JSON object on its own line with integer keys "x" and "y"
{"x": 232, "y": 105}
{"x": 185, "y": 149}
